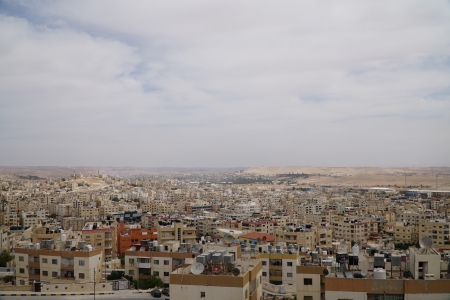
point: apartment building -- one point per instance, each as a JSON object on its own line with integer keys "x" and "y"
{"x": 177, "y": 231}
{"x": 48, "y": 264}
{"x": 263, "y": 226}
{"x": 405, "y": 233}
{"x": 29, "y": 219}
{"x": 9, "y": 219}
{"x": 132, "y": 234}
{"x": 105, "y": 211}
{"x": 354, "y": 230}
{"x": 221, "y": 285}
{"x": 160, "y": 261}
{"x": 438, "y": 231}
{"x": 278, "y": 266}
{"x": 102, "y": 235}
{"x": 75, "y": 223}
{"x": 414, "y": 218}
{"x": 308, "y": 236}
{"x": 86, "y": 212}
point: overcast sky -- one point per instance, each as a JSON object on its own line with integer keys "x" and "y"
{"x": 225, "y": 84}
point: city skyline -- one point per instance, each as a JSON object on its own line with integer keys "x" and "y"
{"x": 204, "y": 84}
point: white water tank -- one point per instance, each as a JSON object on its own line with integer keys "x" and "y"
{"x": 155, "y": 243}
{"x": 37, "y": 246}
{"x": 63, "y": 237}
{"x": 133, "y": 248}
{"x": 355, "y": 249}
{"x": 379, "y": 273}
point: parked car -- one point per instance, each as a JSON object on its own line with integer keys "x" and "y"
{"x": 165, "y": 292}
{"x": 156, "y": 293}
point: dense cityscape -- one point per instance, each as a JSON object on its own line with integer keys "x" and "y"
{"x": 233, "y": 235}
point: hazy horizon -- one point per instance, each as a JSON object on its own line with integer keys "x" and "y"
{"x": 225, "y": 84}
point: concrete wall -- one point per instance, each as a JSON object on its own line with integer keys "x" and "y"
{"x": 10, "y": 287}
{"x": 77, "y": 287}
{"x": 192, "y": 292}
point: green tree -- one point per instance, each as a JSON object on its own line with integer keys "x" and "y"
{"x": 5, "y": 258}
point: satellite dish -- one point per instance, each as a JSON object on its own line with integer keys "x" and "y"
{"x": 325, "y": 272}
{"x": 342, "y": 244}
{"x": 364, "y": 273}
{"x": 64, "y": 262}
{"x": 181, "y": 250}
{"x": 236, "y": 272}
{"x": 197, "y": 268}
{"x": 193, "y": 255}
{"x": 228, "y": 239}
{"x": 426, "y": 242}
{"x": 258, "y": 241}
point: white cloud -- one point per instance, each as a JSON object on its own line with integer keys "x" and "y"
{"x": 200, "y": 83}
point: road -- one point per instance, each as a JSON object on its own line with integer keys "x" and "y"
{"x": 130, "y": 296}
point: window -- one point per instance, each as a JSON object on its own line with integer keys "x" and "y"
{"x": 54, "y": 261}
{"x": 264, "y": 274}
{"x": 21, "y": 258}
{"x": 80, "y": 275}
{"x": 81, "y": 262}
{"x": 264, "y": 263}
{"x": 166, "y": 273}
{"x": 166, "y": 262}
{"x": 99, "y": 236}
{"x": 246, "y": 294}
{"x": 156, "y": 273}
{"x": 289, "y": 274}
{"x": 289, "y": 263}
{"x": 88, "y": 237}
{"x": 131, "y": 272}
{"x": 131, "y": 261}
{"x": 202, "y": 294}
{"x": 44, "y": 273}
{"x": 54, "y": 274}
{"x": 307, "y": 298}
{"x": 307, "y": 281}
{"x": 156, "y": 262}
{"x": 44, "y": 260}
{"x": 22, "y": 270}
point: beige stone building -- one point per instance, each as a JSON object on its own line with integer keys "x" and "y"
{"x": 102, "y": 235}
{"x": 176, "y": 231}
{"x": 404, "y": 233}
{"x": 438, "y": 231}
{"x": 222, "y": 286}
{"x": 47, "y": 265}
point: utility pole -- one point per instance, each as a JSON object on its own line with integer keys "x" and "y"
{"x": 436, "y": 181}
{"x": 94, "y": 283}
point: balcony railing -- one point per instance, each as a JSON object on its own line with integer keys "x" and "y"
{"x": 144, "y": 265}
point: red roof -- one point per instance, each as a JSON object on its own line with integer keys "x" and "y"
{"x": 256, "y": 235}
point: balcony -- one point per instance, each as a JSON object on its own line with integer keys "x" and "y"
{"x": 144, "y": 265}
{"x": 33, "y": 264}
{"x": 34, "y": 277}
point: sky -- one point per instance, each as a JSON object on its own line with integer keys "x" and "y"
{"x": 225, "y": 83}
